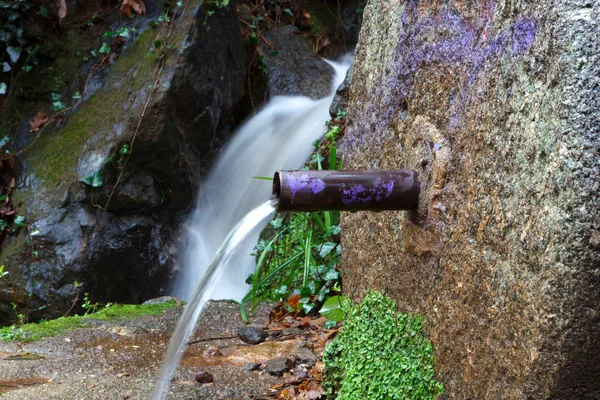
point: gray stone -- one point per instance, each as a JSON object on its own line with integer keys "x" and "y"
{"x": 303, "y": 355}
{"x": 340, "y": 100}
{"x": 277, "y": 366}
{"x": 252, "y": 334}
{"x": 204, "y": 377}
{"x": 295, "y": 70}
{"x": 161, "y": 300}
{"x": 252, "y": 367}
{"x": 501, "y": 99}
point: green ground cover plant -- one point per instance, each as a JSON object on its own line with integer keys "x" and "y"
{"x": 32, "y": 332}
{"x": 379, "y": 354}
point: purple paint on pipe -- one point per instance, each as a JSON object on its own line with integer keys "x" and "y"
{"x": 359, "y": 194}
{"x": 297, "y": 182}
{"x": 317, "y": 185}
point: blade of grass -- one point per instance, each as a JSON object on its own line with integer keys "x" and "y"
{"x": 307, "y": 247}
{"x": 266, "y": 279}
{"x": 260, "y": 262}
{"x": 264, "y": 178}
{"x": 332, "y": 157}
{"x": 317, "y": 218}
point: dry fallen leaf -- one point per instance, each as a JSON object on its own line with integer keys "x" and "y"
{"x": 137, "y": 5}
{"x": 293, "y": 300}
{"x": 310, "y": 394}
{"x": 36, "y": 123}
{"x": 62, "y": 9}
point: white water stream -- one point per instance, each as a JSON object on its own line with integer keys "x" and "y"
{"x": 202, "y": 294}
{"x": 279, "y": 137}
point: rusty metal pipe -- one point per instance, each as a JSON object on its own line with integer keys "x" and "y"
{"x": 372, "y": 190}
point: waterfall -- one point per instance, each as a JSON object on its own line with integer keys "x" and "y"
{"x": 278, "y": 137}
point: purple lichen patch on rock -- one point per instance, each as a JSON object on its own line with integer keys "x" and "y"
{"x": 445, "y": 40}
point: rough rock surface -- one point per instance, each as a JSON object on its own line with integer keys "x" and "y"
{"x": 105, "y": 361}
{"x": 292, "y": 67}
{"x": 496, "y": 105}
{"x": 123, "y": 250}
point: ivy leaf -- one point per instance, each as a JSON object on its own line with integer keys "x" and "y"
{"x": 333, "y": 308}
{"x": 94, "y": 180}
{"x": 326, "y": 248}
{"x": 2, "y": 88}
{"x": 6, "y": 67}
{"x": 20, "y": 221}
{"x": 105, "y": 48}
{"x": 14, "y": 53}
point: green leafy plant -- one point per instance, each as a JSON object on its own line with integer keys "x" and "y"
{"x": 57, "y": 103}
{"x": 300, "y": 259}
{"x": 94, "y": 180}
{"x": 88, "y": 306}
{"x": 379, "y": 355}
{"x": 12, "y": 42}
{"x": 3, "y": 273}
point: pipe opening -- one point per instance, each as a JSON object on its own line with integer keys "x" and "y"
{"x": 276, "y": 185}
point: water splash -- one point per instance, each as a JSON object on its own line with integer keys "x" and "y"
{"x": 278, "y": 137}
{"x": 200, "y": 297}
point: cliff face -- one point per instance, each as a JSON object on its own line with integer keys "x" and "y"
{"x": 495, "y": 104}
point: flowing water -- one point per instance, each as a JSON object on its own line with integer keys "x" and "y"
{"x": 279, "y": 137}
{"x": 202, "y": 294}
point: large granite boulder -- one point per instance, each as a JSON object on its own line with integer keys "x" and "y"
{"x": 496, "y": 105}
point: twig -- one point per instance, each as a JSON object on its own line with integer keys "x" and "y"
{"x": 211, "y": 339}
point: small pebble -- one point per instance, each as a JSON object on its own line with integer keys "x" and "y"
{"x": 212, "y": 351}
{"x": 252, "y": 366}
{"x": 252, "y": 334}
{"x": 204, "y": 377}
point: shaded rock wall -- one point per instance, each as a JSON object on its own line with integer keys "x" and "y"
{"x": 495, "y": 104}
{"x": 124, "y": 249}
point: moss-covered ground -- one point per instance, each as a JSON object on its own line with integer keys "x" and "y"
{"x": 35, "y": 331}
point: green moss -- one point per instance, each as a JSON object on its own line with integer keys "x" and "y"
{"x": 54, "y": 157}
{"x": 379, "y": 355}
{"x": 36, "y": 331}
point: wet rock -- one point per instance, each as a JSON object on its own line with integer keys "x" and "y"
{"x": 340, "y": 100}
{"x": 252, "y": 334}
{"x": 252, "y": 367}
{"x": 278, "y": 366}
{"x": 507, "y": 126}
{"x": 293, "y": 68}
{"x": 120, "y": 244}
{"x": 304, "y": 355}
{"x": 212, "y": 351}
{"x": 161, "y": 300}
{"x": 204, "y": 377}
